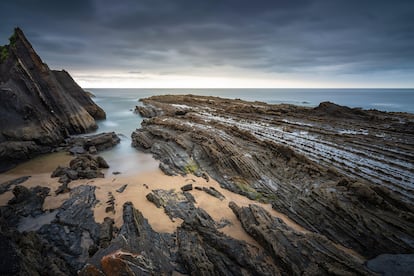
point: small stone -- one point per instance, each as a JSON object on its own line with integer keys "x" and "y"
{"x": 122, "y": 189}
{"x": 187, "y": 187}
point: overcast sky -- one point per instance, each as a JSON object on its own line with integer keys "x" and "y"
{"x": 221, "y": 43}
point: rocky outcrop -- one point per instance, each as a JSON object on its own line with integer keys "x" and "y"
{"x": 26, "y": 202}
{"x": 342, "y": 173}
{"x": 93, "y": 143}
{"x": 82, "y": 167}
{"x": 137, "y": 250}
{"x": 296, "y": 252}
{"x": 38, "y": 107}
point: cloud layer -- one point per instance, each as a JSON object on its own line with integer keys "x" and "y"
{"x": 351, "y": 43}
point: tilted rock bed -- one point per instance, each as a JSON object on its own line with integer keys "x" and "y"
{"x": 39, "y": 107}
{"x": 346, "y": 174}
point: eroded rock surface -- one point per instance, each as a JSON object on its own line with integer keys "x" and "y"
{"x": 296, "y": 252}
{"x": 344, "y": 173}
{"x": 39, "y": 107}
{"x": 202, "y": 248}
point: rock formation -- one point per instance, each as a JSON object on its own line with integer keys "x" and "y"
{"x": 346, "y": 174}
{"x": 38, "y": 107}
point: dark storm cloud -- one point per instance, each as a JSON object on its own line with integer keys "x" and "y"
{"x": 335, "y": 37}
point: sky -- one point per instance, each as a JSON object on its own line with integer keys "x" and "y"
{"x": 221, "y": 43}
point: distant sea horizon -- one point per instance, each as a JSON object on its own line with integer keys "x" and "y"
{"x": 384, "y": 99}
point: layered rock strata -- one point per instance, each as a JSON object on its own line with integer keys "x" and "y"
{"x": 346, "y": 174}
{"x": 39, "y": 107}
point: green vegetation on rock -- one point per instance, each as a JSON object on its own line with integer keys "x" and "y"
{"x": 191, "y": 167}
{"x": 4, "y": 53}
{"x": 13, "y": 39}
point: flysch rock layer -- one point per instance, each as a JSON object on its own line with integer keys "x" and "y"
{"x": 346, "y": 174}
{"x": 39, "y": 107}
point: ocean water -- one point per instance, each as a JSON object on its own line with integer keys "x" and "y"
{"x": 120, "y": 103}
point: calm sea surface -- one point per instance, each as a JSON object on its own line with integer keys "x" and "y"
{"x": 120, "y": 103}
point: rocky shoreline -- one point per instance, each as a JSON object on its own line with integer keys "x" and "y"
{"x": 346, "y": 174}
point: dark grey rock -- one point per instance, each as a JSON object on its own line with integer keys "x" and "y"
{"x": 77, "y": 150}
{"x": 213, "y": 192}
{"x": 5, "y": 186}
{"x": 187, "y": 187}
{"x": 122, "y": 188}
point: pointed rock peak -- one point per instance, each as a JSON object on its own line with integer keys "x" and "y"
{"x": 18, "y": 36}
{"x": 23, "y": 50}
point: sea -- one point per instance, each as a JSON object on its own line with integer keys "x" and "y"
{"x": 119, "y": 105}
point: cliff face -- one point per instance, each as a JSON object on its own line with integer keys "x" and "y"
{"x": 38, "y": 107}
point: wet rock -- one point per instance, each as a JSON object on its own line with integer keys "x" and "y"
{"x": 59, "y": 171}
{"x": 106, "y": 232}
{"x": 145, "y": 111}
{"x": 74, "y": 230}
{"x": 223, "y": 223}
{"x": 26, "y": 202}
{"x": 102, "y": 141}
{"x": 5, "y": 186}
{"x": 77, "y": 150}
{"x": 187, "y": 187}
{"x": 213, "y": 192}
{"x": 202, "y": 249}
{"x": 28, "y": 254}
{"x": 296, "y": 252}
{"x": 167, "y": 169}
{"x": 83, "y": 166}
{"x": 154, "y": 199}
{"x": 110, "y": 208}
{"x": 72, "y": 174}
{"x": 102, "y": 163}
{"x": 122, "y": 188}
{"x": 62, "y": 189}
{"x": 93, "y": 143}
{"x": 137, "y": 250}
